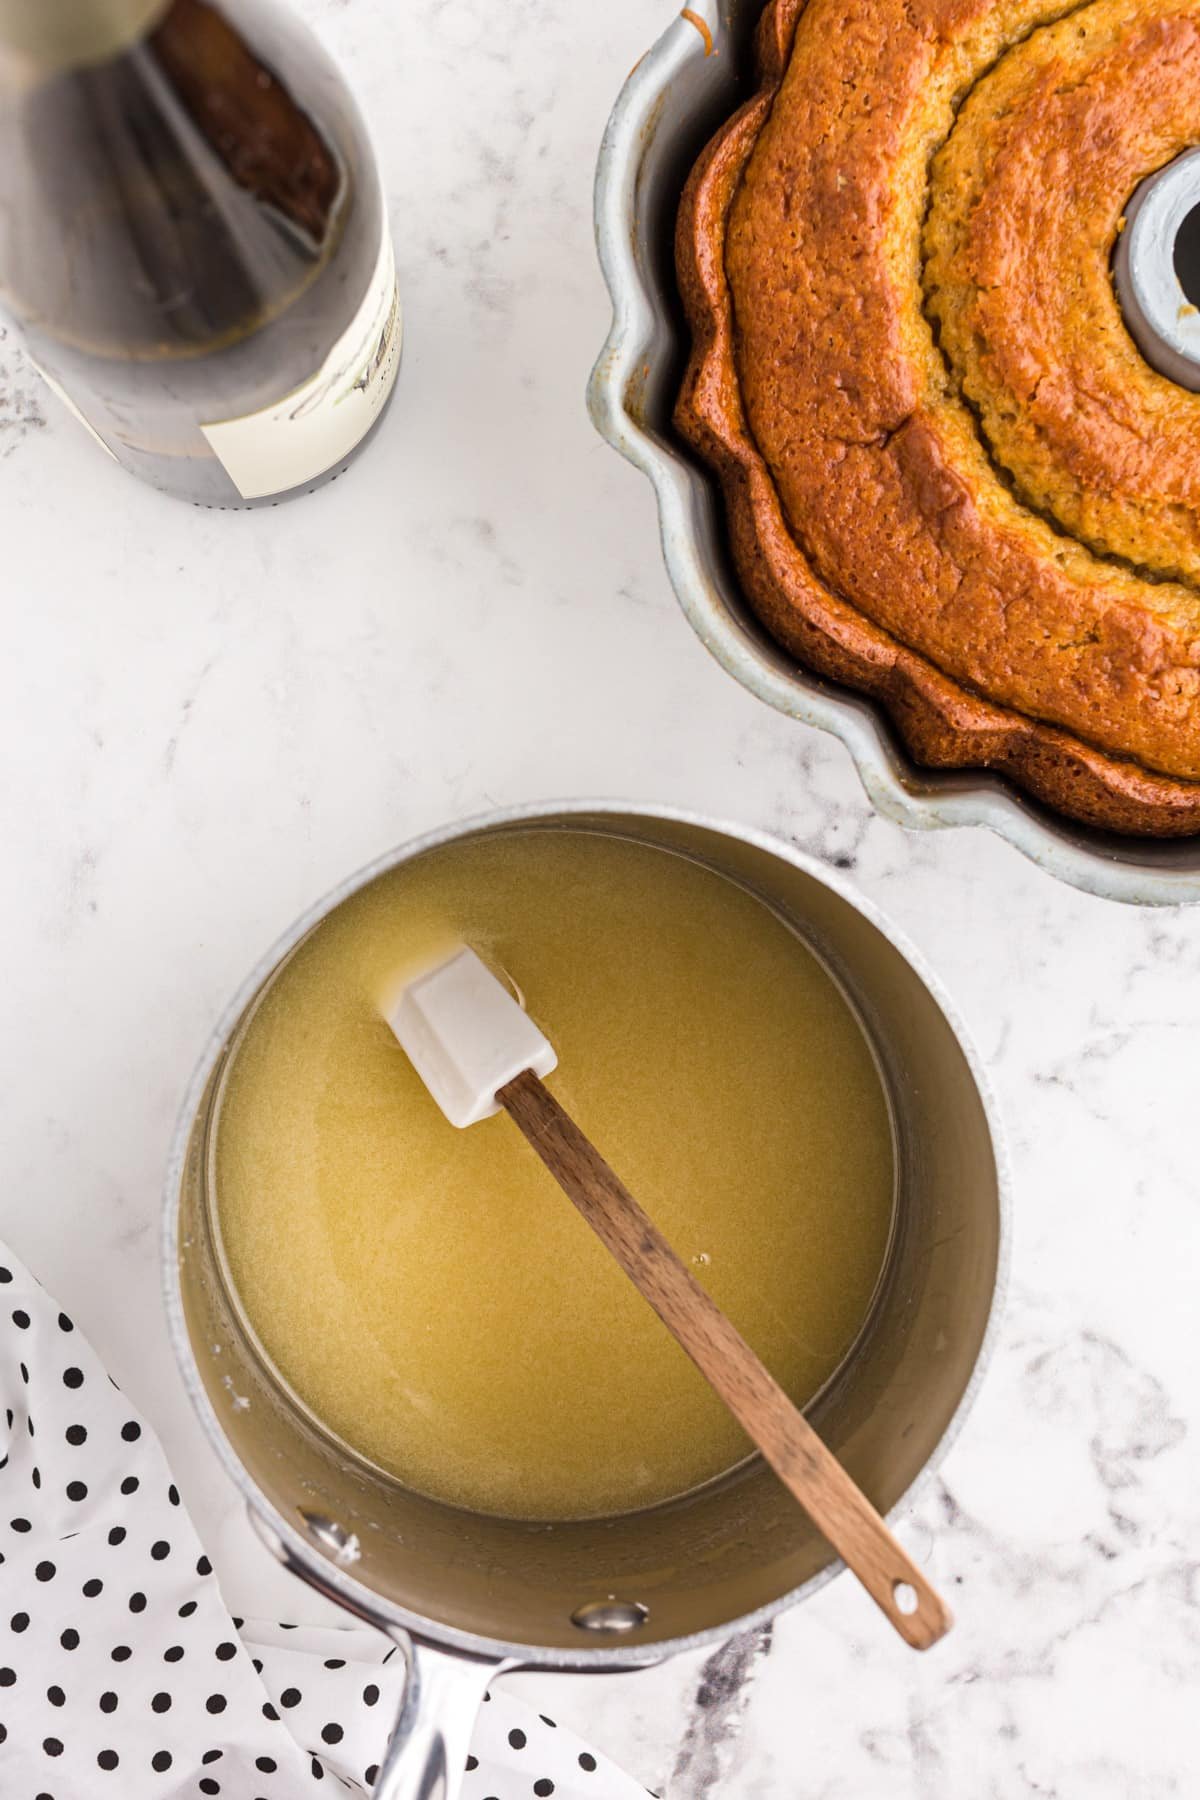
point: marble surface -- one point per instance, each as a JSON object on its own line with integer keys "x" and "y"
{"x": 207, "y": 719}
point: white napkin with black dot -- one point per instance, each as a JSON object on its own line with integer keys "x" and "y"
{"x": 121, "y": 1672}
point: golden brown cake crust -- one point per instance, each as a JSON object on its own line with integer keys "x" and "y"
{"x": 874, "y": 535}
{"x": 1026, "y": 198}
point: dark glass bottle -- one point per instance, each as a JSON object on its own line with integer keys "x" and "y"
{"x": 193, "y": 236}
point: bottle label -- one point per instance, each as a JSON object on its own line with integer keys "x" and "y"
{"x": 303, "y": 435}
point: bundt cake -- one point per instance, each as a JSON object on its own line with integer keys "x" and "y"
{"x": 951, "y": 479}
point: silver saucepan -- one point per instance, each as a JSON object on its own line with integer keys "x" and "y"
{"x": 467, "y": 1596}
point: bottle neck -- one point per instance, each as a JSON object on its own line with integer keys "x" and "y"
{"x": 44, "y": 37}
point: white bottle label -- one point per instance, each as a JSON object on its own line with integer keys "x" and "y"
{"x": 304, "y": 434}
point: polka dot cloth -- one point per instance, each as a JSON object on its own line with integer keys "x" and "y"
{"x": 122, "y": 1674}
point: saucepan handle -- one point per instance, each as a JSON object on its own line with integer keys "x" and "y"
{"x": 443, "y": 1691}
{"x": 427, "y": 1755}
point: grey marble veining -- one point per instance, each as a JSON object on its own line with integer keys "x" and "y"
{"x": 21, "y": 396}
{"x": 207, "y": 719}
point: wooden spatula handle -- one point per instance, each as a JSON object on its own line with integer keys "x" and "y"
{"x": 836, "y": 1506}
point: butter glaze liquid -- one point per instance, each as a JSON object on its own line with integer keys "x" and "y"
{"x": 431, "y": 1294}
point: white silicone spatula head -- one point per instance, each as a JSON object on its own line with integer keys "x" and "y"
{"x": 466, "y": 1036}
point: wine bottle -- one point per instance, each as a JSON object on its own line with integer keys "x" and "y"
{"x": 194, "y": 239}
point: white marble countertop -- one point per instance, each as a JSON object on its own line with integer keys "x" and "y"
{"x": 208, "y": 719}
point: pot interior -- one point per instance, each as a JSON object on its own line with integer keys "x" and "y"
{"x": 635, "y": 1582}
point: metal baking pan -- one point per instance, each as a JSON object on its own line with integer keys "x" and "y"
{"x": 692, "y": 78}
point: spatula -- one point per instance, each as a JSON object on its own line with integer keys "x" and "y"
{"x": 478, "y": 1052}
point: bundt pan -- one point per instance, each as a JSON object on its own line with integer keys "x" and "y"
{"x": 681, "y": 91}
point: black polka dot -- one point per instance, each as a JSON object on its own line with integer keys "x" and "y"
{"x": 92, "y": 1588}
{"x": 207, "y": 1785}
{"x": 267, "y": 1764}
{"x": 5, "y": 1275}
{"x": 224, "y": 1652}
{"x": 268, "y": 1712}
{"x": 108, "y": 1759}
{"x": 130, "y": 1484}
{"x": 371, "y": 1775}
{"x": 77, "y": 1490}
{"x": 73, "y": 1378}
{"x": 517, "y": 1739}
{"x": 64, "y": 1324}
{"x": 543, "y": 1787}
{"x": 187, "y": 1609}
{"x": 29, "y": 1427}
{"x": 20, "y": 1524}
{"x": 335, "y": 1662}
{"x": 173, "y": 1494}
{"x": 55, "y": 1696}
{"x": 370, "y": 1694}
{"x": 290, "y": 1697}
{"x": 257, "y": 1665}
{"x": 472, "y": 1763}
{"x": 160, "y": 1549}
{"x": 52, "y": 1746}
{"x": 7, "y": 1677}
{"x": 137, "y": 1603}
{"x": 160, "y": 1762}
{"x": 174, "y": 1654}
{"x": 70, "y": 1638}
{"x": 24, "y": 1373}
{"x": 35, "y": 1475}
{"x": 332, "y": 1734}
{"x": 161, "y": 1703}
{"x": 318, "y": 1769}
{"x": 131, "y": 1432}
{"x": 204, "y": 1567}
{"x": 45, "y": 1571}
{"x": 215, "y": 1703}
{"x": 21, "y": 1319}
{"x": 121, "y": 1653}
{"x": 587, "y": 1761}
{"x": 108, "y": 1702}
{"x": 212, "y": 1756}
{"x": 547, "y": 1720}
{"x": 76, "y": 1434}
{"x": 19, "y": 1621}
{"x": 116, "y": 1535}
